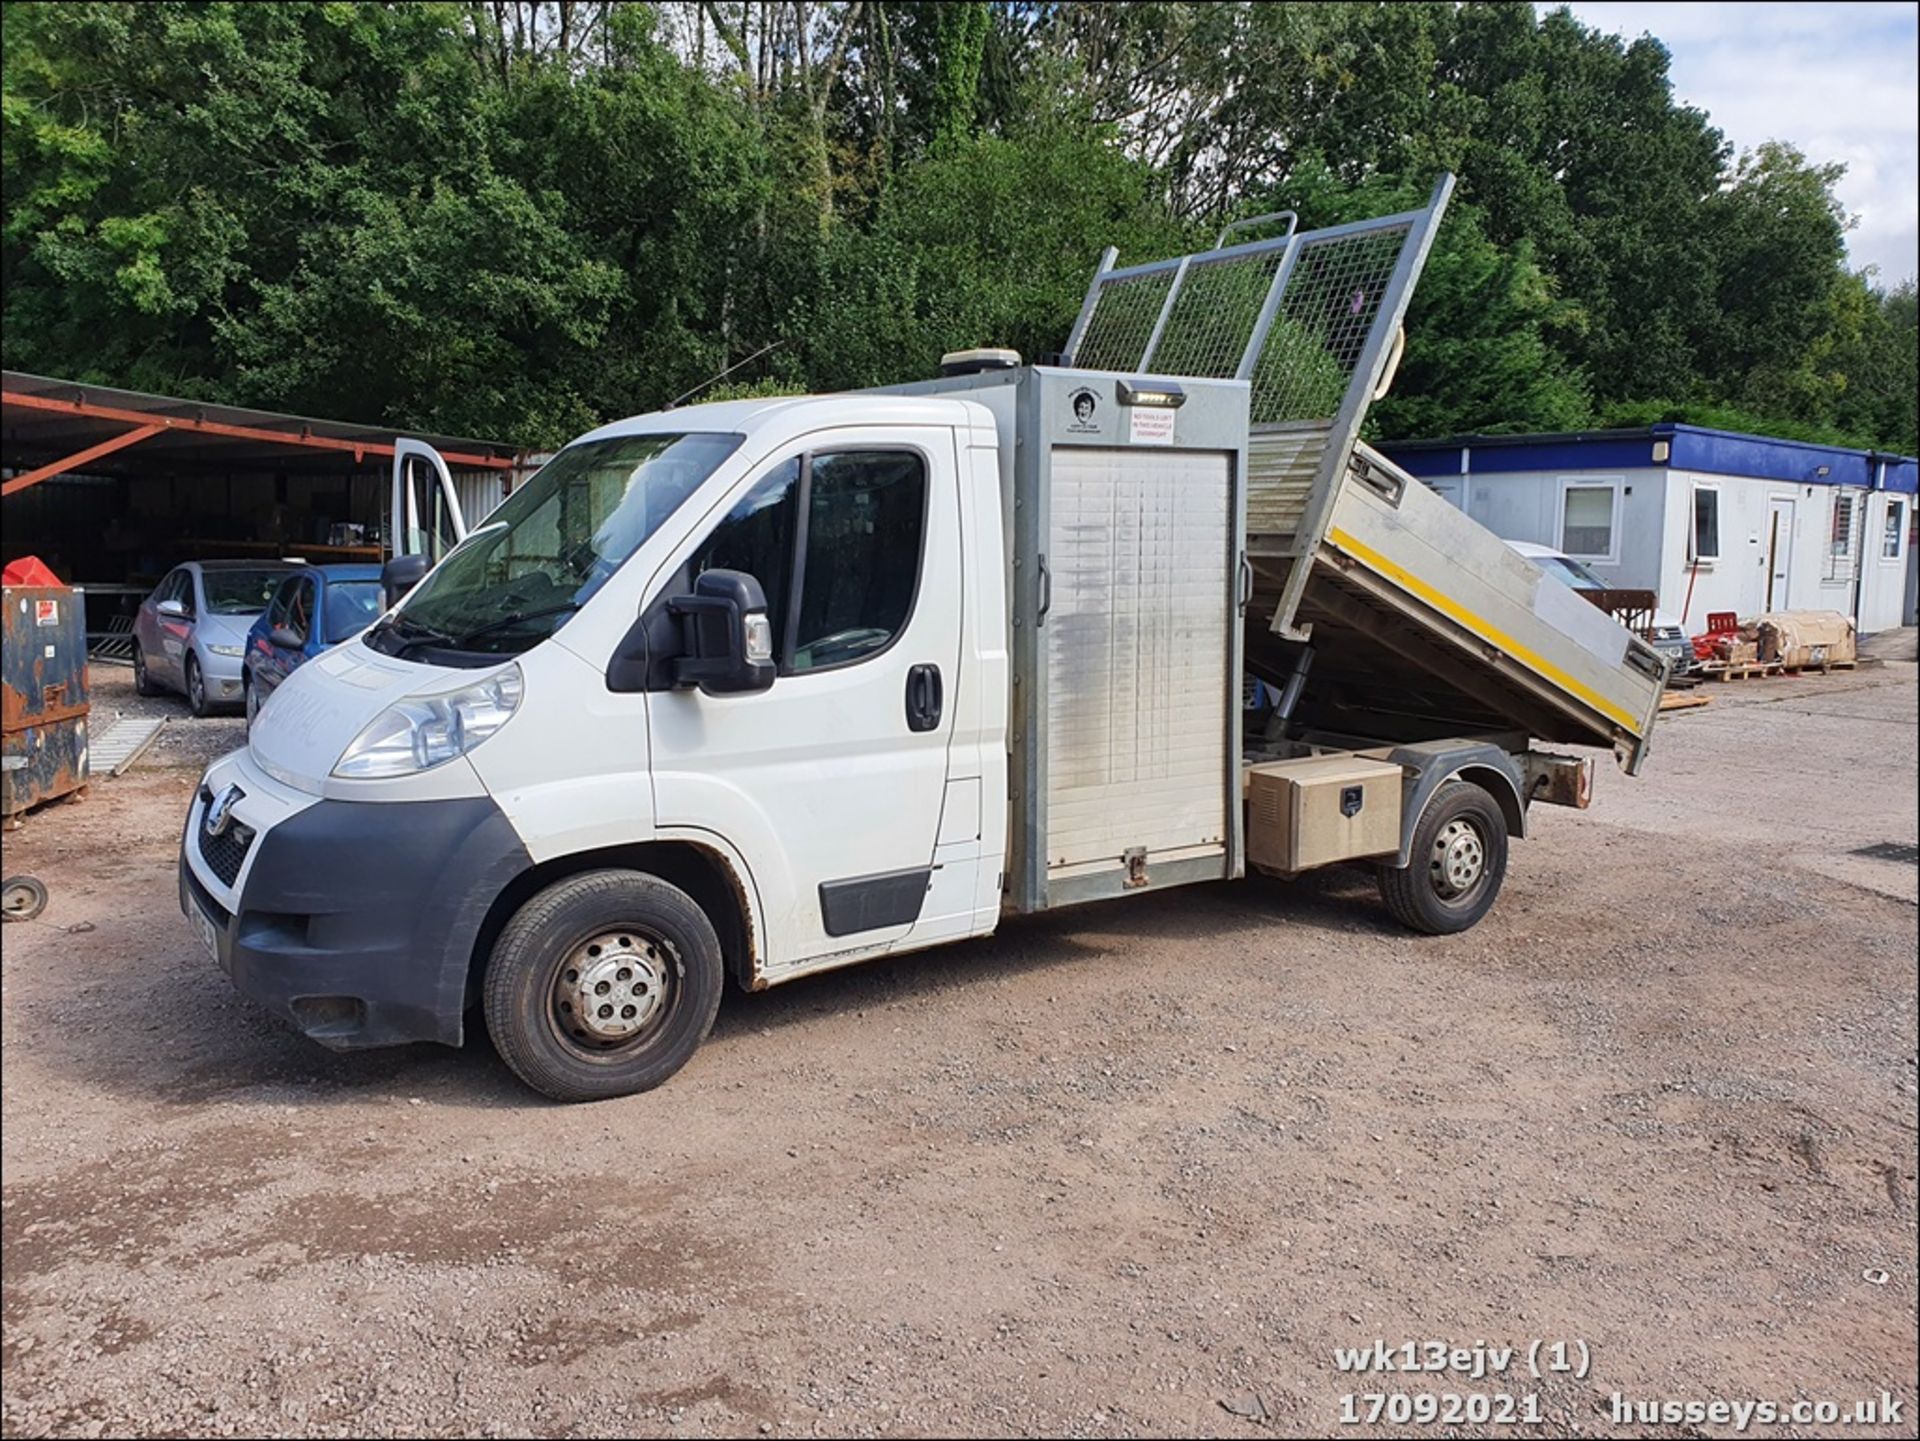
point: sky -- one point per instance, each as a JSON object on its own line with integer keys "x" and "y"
{"x": 1839, "y": 80}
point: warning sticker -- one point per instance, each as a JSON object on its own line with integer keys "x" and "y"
{"x": 1150, "y": 425}
{"x": 46, "y": 612}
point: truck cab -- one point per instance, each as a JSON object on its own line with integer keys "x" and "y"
{"x": 721, "y": 684}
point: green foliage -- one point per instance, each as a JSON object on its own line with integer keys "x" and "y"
{"x": 1726, "y": 417}
{"x": 962, "y": 28}
{"x": 518, "y": 219}
{"x": 985, "y": 242}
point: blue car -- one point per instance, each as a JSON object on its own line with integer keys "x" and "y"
{"x": 315, "y": 607}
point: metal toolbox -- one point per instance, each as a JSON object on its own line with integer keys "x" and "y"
{"x": 1319, "y": 809}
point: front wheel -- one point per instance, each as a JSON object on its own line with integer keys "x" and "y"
{"x": 197, "y": 689}
{"x": 602, "y": 985}
{"x": 1455, "y": 865}
{"x": 252, "y": 696}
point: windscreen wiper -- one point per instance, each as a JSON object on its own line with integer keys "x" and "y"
{"x": 516, "y": 618}
{"x": 411, "y": 633}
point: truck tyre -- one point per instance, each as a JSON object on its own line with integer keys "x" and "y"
{"x": 1455, "y": 866}
{"x": 602, "y": 985}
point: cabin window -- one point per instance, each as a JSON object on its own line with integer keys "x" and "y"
{"x": 1706, "y": 522}
{"x": 1587, "y": 516}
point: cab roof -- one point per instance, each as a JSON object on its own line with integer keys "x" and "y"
{"x": 788, "y": 414}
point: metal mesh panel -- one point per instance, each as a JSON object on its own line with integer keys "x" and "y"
{"x": 1214, "y": 314}
{"x": 1326, "y": 313}
{"x": 1123, "y": 318}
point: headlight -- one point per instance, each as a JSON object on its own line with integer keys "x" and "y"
{"x": 227, "y": 649}
{"x": 421, "y": 732}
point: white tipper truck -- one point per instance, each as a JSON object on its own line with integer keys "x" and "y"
{"x": 771, "y": 686}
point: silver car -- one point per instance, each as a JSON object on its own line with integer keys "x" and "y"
{"x": 191, "y": 633}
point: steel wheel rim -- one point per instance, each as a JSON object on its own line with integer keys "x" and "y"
{"x": 614, "y": 991}
{"x": 1457, "y": 864}
{"x": 196, "y": 686}
{"x": 23, "y": 898}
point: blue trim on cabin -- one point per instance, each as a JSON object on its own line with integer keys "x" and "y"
{"x": 1690, "y": 447}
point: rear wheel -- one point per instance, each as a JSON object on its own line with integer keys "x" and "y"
{"x": 197, "y": 689}
{"x": 142, "y": 682}
{"x": 1456, "y": 863}
{"x": 602, "y": 985}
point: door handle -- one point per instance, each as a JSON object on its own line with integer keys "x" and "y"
{"x": 923, "y": 697}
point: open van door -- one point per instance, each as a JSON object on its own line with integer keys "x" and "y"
{"x": 424, "y": 516}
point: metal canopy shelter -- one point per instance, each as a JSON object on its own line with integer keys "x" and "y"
{"x": 55, "y": 427}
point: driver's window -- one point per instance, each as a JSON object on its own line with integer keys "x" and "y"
{"x": 865, "y": 515}
{"x": 300, "y": 608}
{"x": 182, "y": 590}
{"x": 757, "y": 537}
{"x": 277, "y": 612}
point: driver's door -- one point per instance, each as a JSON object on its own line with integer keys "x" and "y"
{"x": 831, "y": 782}
{"x": 423, "y": 510}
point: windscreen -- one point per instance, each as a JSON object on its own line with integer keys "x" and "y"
{"x": 1569, "y": 572}
{"x": 240, "y": 592}
{"x": 352, "y": 606}
{"x": 553, "y": 543}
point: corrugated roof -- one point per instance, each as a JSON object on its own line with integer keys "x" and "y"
{"x": 43, "y": 419}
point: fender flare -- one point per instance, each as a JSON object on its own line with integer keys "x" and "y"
{"x": 1480, "y": 763}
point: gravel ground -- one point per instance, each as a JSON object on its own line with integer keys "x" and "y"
{"x": 1128, "y": 1170}
{"x": 185, "y": 741}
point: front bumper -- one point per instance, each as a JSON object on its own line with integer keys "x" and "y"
{"x": 357, "y": 921}
{"x": 220, "y": 674}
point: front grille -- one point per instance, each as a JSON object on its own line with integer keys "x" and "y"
{"x": 226, "y": 852}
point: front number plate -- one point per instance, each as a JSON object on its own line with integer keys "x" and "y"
{"x": 203, "y": 928}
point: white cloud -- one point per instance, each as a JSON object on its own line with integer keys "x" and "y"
{"x": 1841, "y": 81}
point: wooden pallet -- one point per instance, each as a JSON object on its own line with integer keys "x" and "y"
{"x": 1822, "y": 669}
{"x": 1683, "y": 701}
{"x": 1742, "y": 670}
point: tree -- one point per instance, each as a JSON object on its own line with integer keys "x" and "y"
{"x": 519, "y": 217}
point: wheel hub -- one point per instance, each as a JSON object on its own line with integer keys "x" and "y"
{"x": 611, "y": 987}
{"x": 1459, "y": 858}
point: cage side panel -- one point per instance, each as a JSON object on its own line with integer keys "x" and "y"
{"x": 1136, "y": 652}
{"x": 1123, "y": 321}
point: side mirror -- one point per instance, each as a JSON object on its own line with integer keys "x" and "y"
{"x": 171, "y": 607}
{"x": 284, "y": 638}
{"x": 726, "y": 638}
{"x": 400, "y": 575}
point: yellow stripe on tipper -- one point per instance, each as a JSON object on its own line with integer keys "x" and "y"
{"x": 1407, "y": 580}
